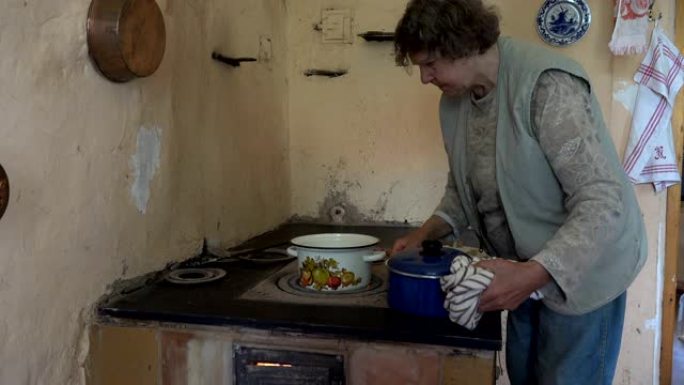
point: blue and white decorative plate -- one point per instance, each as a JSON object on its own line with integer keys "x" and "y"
{"x": 563, "y": 22}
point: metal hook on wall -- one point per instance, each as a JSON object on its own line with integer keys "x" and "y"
{"x": 651, "y": 15}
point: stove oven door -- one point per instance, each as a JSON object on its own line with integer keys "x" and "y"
{"x": 258, "y": 366}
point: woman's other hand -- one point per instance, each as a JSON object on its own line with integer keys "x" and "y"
{"x": 513, "y": 283}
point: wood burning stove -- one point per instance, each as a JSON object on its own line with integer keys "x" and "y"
{"x": 256, "y": 326}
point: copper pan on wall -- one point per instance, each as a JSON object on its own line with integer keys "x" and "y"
{"x": 126, "y": 38}
{"x": 4, "y": 191}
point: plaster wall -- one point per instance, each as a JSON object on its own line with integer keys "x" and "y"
{"x": 370, "y": 140}
{"x": 110, "y": 180}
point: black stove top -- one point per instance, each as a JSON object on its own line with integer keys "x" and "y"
{"x": 224, "y": 302}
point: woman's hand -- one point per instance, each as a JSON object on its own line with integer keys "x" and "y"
{"x": 434, "y": 228}
{"x": 409, "y": 241}
{"x": 513, "y": 283}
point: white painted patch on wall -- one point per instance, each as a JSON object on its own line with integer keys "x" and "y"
{"x": 83, "y": 350}
{"x": 626, "y": 94}
{"x": 145, "y": 163}
{"x": 660, "y": 283}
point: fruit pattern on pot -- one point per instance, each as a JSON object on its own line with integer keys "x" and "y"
{"x": 322, "y": 273}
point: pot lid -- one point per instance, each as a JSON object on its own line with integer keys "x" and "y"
{"x": 335, "y": 241}
{"x": 431, "y": 260}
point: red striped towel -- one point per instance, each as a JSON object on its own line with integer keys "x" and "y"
{"x": 650, "y": 156}
{"x": 630, "y": 35}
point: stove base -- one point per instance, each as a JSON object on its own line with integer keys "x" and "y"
{"x": 179, "y": 355}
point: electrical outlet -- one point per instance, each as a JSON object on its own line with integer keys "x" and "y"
{"x": 336, "y": 25}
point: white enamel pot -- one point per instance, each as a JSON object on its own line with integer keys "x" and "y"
{"x": 335, "y": 262}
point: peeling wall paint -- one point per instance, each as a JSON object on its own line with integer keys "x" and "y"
{"x": 626, "y": 95}
{"x": 651, "y": 324}
{"x": 144, "y": 164}
{"x": 340, "y": 203}
{"x": 660, "y": 280}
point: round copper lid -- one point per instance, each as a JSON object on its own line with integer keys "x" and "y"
{"x": 142, "y": 36}
{"x": 126, "y": 38}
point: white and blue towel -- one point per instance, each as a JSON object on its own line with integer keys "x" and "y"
{"x": 463, "y": 288}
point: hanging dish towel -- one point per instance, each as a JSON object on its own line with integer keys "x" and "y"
{"x": 650, "y": 156}
{"x": 463, "y": 288}
{"x": 631, "y": 27}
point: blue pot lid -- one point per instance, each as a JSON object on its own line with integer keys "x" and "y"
{"x": 430, "y": 261}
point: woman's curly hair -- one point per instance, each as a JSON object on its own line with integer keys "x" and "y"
{"x": 450, "y": 28}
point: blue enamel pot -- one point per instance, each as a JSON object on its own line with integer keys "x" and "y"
{"x": 414, "y": 279}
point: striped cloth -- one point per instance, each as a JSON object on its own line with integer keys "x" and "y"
{"x": 463, "y": 288}
{"x": 650, "y": 156}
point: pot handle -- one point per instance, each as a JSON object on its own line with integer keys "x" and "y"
{"x": 292, "y": 251}
{"x": 376, "y": 256}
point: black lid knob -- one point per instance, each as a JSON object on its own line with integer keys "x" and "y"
{"x": 431, "y": 248}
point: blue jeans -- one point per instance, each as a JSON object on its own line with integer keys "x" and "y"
{"x": 547, "y": 348}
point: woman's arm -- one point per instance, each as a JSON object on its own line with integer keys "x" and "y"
{"x": 565, "y": 127}
{"x": 447, "y": 218}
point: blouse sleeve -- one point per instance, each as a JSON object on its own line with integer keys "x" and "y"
{"x": 450, "y": 208}
{"x": 565, "y": 127}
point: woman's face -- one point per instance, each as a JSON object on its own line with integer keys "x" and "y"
{"x": 455, "y": 77}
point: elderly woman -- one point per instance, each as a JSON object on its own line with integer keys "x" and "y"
{"x": 534, "y": 173}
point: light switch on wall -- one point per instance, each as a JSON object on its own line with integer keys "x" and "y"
{"x": 336, "y": 26}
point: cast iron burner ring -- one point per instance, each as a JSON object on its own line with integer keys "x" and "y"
{"x": 288, "y": 283}
{"x": 195, "y": 275}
